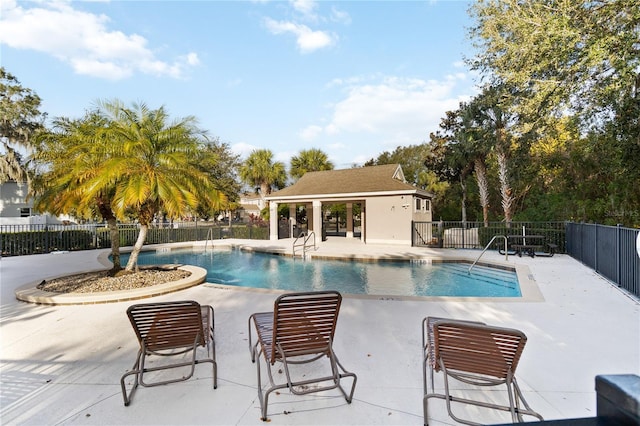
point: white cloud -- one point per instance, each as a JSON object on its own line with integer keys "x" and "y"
{"x": 340, "y": 16}
{"x": 306, "y": 7}
{"x": 284, "y": 157}
{"x": 192, "y": 59}
{"x": 396, "y": 110}
{"x": 307, "y": 39}
{"x": 310, "y": 133}
{"x": 84, "y": 41}
{"x": 243, "y": 149}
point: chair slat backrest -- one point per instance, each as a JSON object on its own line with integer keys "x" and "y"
{"x": 167, "y": 325}
{"x": 479, "y": 349}
{"x": 304, "y": 323}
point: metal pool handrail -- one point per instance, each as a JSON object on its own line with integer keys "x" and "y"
{"x": 506, "y": 253}
{"x": 209, "y": 237}
{"x": 304, "y": 244}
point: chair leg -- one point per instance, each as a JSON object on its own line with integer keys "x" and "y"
{"x": 448, "y": 398}
{"x": 342, "y": 375}
{"x": 192, "y": 364}
{"x": 134, "y": 371}
{"x": 251, "y": 346}
{"x": 520, "y": 397}
{"x": 262, "y": 398}
{"x": 425, "y": 402}
{"x": 215, "y": 375}
{"x": 336, "y": 367}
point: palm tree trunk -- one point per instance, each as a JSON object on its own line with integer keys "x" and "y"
{"x": 133, "y": 258}
{"x": 104, "y": 207}
{"x": 464, "y": 199}
{"x": 505, "y": 188}
{"x": 483, "y": 187}
{"x": 114, "y": 235}
{"x": 265, "y": 189}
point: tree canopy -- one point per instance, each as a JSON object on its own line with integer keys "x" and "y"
{"x": 309, "y": 160}
{"x": 72, "y": 154}
{"x": 579, "y": 56}
{"x": 132, "y": 162}
{"x": 261, "y": 172}
{"x": 568, "y": 65}
{"x": 20, "y": 120}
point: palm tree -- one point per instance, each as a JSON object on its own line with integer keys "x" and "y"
{"x": 72, "y": 155}
{"x": 493, "y": 118}
{"x": 472, "y": 136}
{"x": 153, "y": 167}
{"x": 309, "y": 160}
{"x": 260, "y": 171}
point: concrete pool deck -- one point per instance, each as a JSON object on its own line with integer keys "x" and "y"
{"x": 62, "y": 364}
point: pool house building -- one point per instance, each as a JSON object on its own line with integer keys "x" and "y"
{"x": 378, "y": 197}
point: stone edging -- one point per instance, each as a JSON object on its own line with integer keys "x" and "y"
{"x": 30, "y": 293}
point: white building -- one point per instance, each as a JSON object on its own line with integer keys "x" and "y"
{"x": 17, "y": 209}
{"x": 388, "y": 204}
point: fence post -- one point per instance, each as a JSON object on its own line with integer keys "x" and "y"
{"x": 413, "y": 231}
{"x": 595, "y": 248}
{"x": 46, "y": 239}
{"x": 464, "y": 228}
{"x": 618, "y": 260}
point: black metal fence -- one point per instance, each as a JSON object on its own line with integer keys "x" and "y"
{"x": 17, "y": 240}
{"x": 609, "y": 250}
{"x": 474, "y": 235}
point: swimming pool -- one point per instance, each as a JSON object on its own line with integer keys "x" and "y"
{"x": 384, "y": 278}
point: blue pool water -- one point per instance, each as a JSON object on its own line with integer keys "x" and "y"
{"x": 264, "y": 270}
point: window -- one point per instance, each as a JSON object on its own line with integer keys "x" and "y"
{"x": 25, "y": 211}
{"x": 422, "y": 205}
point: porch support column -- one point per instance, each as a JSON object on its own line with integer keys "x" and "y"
{"x": 292, "y": 219}
{"x": 349, "y": 220}
{"x": 309, "y": 209}
{"x": 273, "y": 221}
{"x": 363, "y": 221}
{"x": 316, "y": 223}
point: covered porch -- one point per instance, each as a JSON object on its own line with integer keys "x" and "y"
{"x": 313, "y": 215}
{"x": 376, "y": 197}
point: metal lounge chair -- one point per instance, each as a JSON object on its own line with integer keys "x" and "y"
{"x": 476, "y": 354}
{"x": 428, "y": 351}
{"x": 299, "y": 330}
{"x": 170, "y": 329}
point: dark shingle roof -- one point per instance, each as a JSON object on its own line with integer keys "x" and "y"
{"x": 385, "y": 178}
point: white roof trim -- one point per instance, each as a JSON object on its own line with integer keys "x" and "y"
{"x": 348, "y": 195}
{"x": 399, "y": 174}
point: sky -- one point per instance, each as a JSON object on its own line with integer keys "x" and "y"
{"x": 352, "y": 78}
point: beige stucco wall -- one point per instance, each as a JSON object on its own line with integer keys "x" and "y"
{"x": 422, "y": 215}
{"x": 388, "y": 220}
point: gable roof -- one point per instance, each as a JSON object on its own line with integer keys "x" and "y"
{"x": 362, "y": 181}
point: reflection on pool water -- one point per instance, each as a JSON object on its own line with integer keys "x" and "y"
{"x": 405, "y": 278}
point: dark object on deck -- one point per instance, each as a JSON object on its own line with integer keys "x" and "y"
{"x": 618, "y": 403}
{"x": 531, "y": 245}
